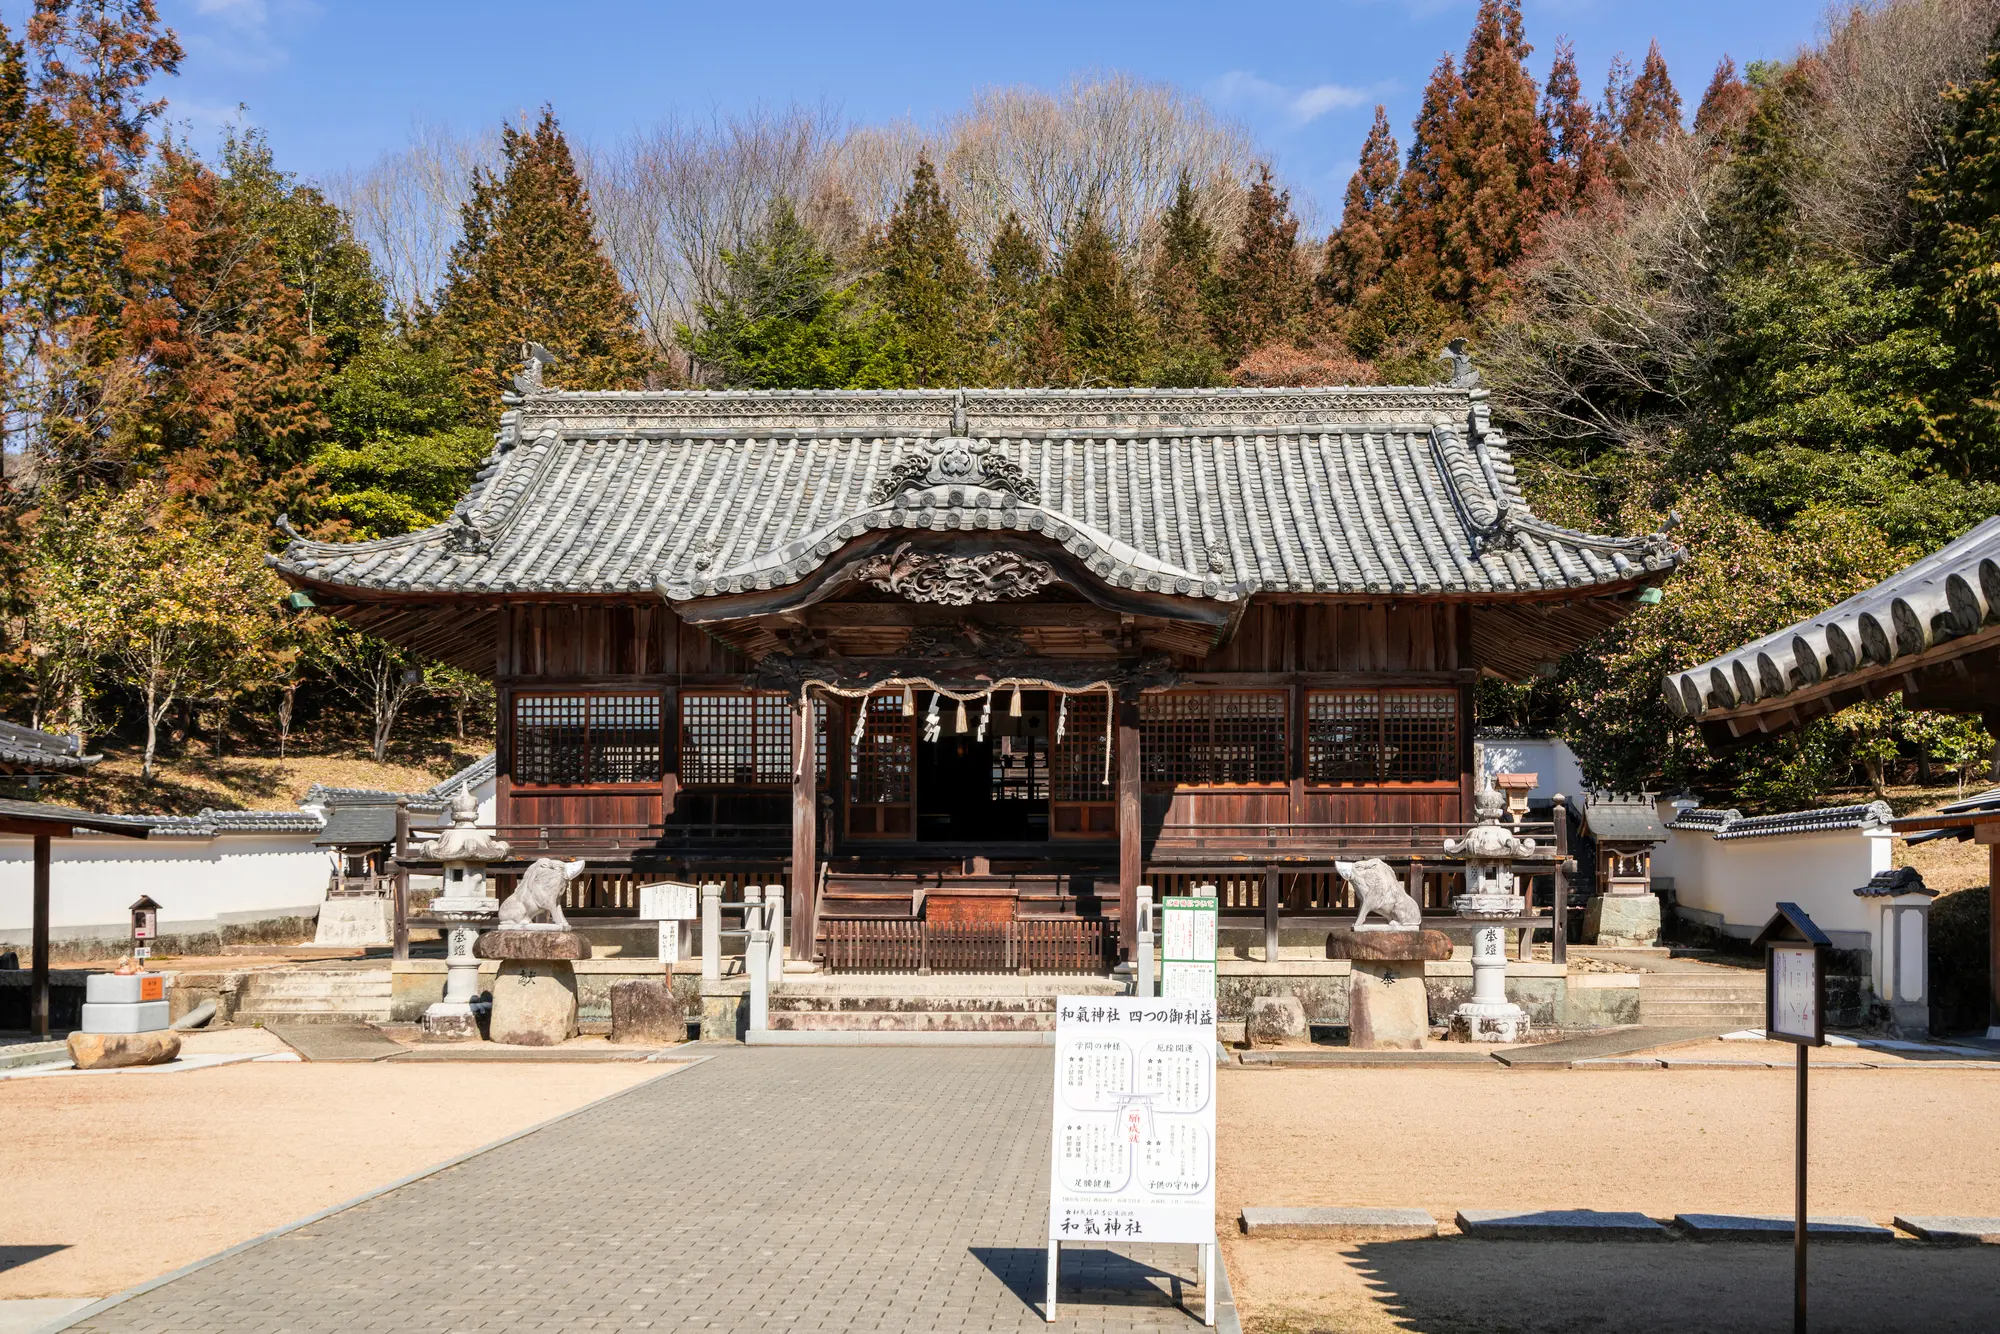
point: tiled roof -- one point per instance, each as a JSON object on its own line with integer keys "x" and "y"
{"x": 433, "y": 798}
{"x": 24, "y": 749}
{"x": 1951, "y": 593}
{"x": 211, "y": 822}
{"x": 1734, "y": 824}
{"x": 1216, "y": 494}
{"x": 1623, "y": 817}
{"x": 1899, "y": 880}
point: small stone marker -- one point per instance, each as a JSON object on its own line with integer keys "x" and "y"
{"x": 644, "y": 1011}
{"x": 1340, "y": 1224}
{"x": 1775, "y": 1227}
{"x": 1275, "y": 1019}
{"x": 1951, "y": 1229}
{"x": 124, "y": 1022}
{"x": 1559, "y": 1225}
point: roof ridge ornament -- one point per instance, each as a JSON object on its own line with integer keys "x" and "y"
{"x": 956, "y": 461}
{"x": 1463, "y": 374}
{"x": 528, "y": 380}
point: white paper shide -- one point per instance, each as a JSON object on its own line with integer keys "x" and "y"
{"x": 1133, "y": 1157}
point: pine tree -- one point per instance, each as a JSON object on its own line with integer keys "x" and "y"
{"x": 1093, "y": 314}
{"x": 930, "y": 288}
{"x": 1754, "y": 212}
{"x": 528, "y": 269}
{"x": 1016, "y": 279}
{"x": 1492, "y": 196}
{"x": 1726, "y": 106}
{"x": 1358, "y": 251}
{"x": 784, "y": 321}
{"x": 1649, "y": 109}
{"x": 1579, "y": 159}
{"x": 1180, "y": 296}
{"x": 1262, "y": 292}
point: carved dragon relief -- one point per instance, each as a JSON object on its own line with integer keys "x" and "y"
{"x": 955, "y": 581}
{"x": 956, "y": 461}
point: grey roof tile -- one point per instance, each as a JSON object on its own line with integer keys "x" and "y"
{"x": 26, "y": 749}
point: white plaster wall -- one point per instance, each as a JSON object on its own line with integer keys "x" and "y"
{"x": 1550, "y": 760}
{"x": 198, "y": 882}
{"x": 1742, "y": 880}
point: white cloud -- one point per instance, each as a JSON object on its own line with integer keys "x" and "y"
{"x": 1297, "y": 106}
{"x": 246, "y": 36}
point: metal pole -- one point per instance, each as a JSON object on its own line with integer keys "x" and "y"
{"x": 1049, "y": 1306}
{"x": 1559, "y": 937}
{"x": 38, "y": 943}
{"x": 1272, "y": 895}
{"x": 1799, "y": 1222}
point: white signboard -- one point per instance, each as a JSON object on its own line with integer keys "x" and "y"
{"x": 1795, "y": 993}
{"x": 1187, "y": 948}
{"x": 672, "y": 906}
{"x": 1133, "y": 1157}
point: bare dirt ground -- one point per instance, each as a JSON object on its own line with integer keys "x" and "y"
{"x": 186, "y": 782}
{"x": 1657, "y": 1141}
{"x": 112, "y": 1179}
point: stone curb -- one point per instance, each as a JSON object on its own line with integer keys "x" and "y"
{"x": 1560, "y": 1225}
{"x": 808, "y": 1037}
{"x": 1338, "y": 1224}
{"x": 98, "y": 1308}
{"x": 1951, "y": 1230}
{"x": 1772, "y": 1228}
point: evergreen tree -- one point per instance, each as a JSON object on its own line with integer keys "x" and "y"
{"x": 930, "y": 289}
{"x": 1648, "y": 110}
{"x": 1262, "y": 292}
{"x": 1180, "y": 296}
{"x": 1016, "y": 276}
{"x": 785, "y": 322}
{"x": 1579, "y": 159}
{"x": 528, "y": 269}
{"x": 1358, "y": 251}
{"x": 1093, "y": 313}
{"x": 1726, "y": 106}
{"x": 1754, "y": 215}
{"x": 1429, "y": 176}
{"x": 401, "y": 447}
{"x": 1492, "y": 192}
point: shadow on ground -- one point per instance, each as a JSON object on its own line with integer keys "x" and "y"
{"x": 1456, "y": 1285}
{"x": 13, "y": 1257}
{"x": 1096, "y": 1277}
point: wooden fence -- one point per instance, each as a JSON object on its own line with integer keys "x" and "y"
{"x": 1062, "y": 945}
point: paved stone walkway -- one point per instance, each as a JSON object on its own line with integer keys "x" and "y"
{"x": 766, "y": 1189}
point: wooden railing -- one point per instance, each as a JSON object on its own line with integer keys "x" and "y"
{"x": 1259, "y": 839}
{"x": 538, "y": 839}
{"x": 1061, "y": 945}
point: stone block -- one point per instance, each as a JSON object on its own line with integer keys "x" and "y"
{"x": 646, "y": 1012}
{"x": 1388, "y": 1006}
{"x": 1775, "y": 1227}
{"x": 1340, "y": 1224}
{"x": 355, "y": 921}
{"x": 138, "y": 1017}
{"x": 1622, "y": 919}
{"x": 519, "y": 943}
{"x": 1275, "y": 1019}
{"x": 1560, "y": 1225}
{"x": 534, "y": 1002}
{"x": 1951, "y": 1230}
{"x": 1345, "y": 943}
{"x": 109, "y": 1051}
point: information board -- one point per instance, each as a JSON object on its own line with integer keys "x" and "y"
{"x": 672, "y": 906}
{"x": 1795, "y": 997}
{"x": 1187, "y": 947}
{"x": 1133, "y": 1157}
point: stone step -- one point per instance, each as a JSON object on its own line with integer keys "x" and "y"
{"x": 354, "y": 993}
{"x": 911, "y": 1021}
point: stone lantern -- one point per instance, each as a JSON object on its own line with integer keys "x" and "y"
{"x": 1489, "y": 904}
{"x": 464, "y": 904}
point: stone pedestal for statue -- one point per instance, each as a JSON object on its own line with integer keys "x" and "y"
{"x": 645, "y": 1012}
{"x": 534, "y": 996}
{"x": 464, "y": 907}
{"x": 1622, "y": 919}
{"x": 1388, "y": 1006}
{"x": 1489, "y": 849}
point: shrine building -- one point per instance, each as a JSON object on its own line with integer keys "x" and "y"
{"x": 979, "y": 662}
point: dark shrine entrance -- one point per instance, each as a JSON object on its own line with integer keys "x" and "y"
{"x": 990, "y": 789}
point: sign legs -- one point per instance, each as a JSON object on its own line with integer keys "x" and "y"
{"x": 1049, "y": 1306}
{"x": 1799, "y": 1224}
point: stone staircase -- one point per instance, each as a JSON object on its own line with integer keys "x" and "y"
{"x": 314, "y": 993}
{"x": 1721, "y": 999}
{"x": 876, "y": 1003}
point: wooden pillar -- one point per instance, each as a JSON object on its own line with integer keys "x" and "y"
{"x": 1993, "y": 927}
{"x": 805, "y": 832}
{"x": 1131, "y": 858}
{"x": 399, "y": 938}
{"x": 38, "y": 980}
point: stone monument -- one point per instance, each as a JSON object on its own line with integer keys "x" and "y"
{"x": 465, "y": 907}
{"x": 1489, "y": 849}
{"x": 534, "y": 996}
{"x": 1388, "y": 1006}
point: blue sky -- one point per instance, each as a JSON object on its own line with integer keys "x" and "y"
{"x": 334, "y": 83}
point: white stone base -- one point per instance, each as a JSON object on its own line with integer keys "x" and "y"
{"x": 451, "y": 1021}
{"x": 360, "y": 921}
{"x": 1472, "y": 1022}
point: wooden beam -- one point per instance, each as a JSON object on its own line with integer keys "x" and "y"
{"x": 38, "y": 980}
{"x": 1131, "y": 862}
{"x": 805, "y": 832}
{"x": 841, "y": 615}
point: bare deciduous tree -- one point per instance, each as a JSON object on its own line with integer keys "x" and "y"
{"x": 406, "y": 206}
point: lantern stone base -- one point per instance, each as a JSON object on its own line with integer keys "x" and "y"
{"x": 452, "y": 1021}
{"x": 1475, "y": 1021}
{"x": 1622, "y": 919}
{"x": 109, "y": 1051}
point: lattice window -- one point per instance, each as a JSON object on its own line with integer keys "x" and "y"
{"x": 1076, "y": 763}
{"x": 1212, "y": 738}
{"x": 1382, "y": 736}
{"x": 735, "y": 739}
{"x": 882, "y": 766}
{"x": 584, "y": 740}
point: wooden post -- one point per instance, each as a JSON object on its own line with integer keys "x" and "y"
{"x": 1271, "y": 905}
{"x": 1993, "y": 932}
{"x": 1559, "y": 938}
{"x": 38, "y": 980}
{"x": 805, "y": 832}
{"x": 400, "y": 939}
{"x": 1131, "y": 858}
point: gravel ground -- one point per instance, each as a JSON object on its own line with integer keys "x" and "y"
{"x": 1657, "y": 1141}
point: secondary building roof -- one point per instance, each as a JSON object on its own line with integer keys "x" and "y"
{"x": 25, "y": 751}
{"x": 1931, "y": 631}
{"x": 39, "y": 817}
{"x": 1214, "y": 494}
